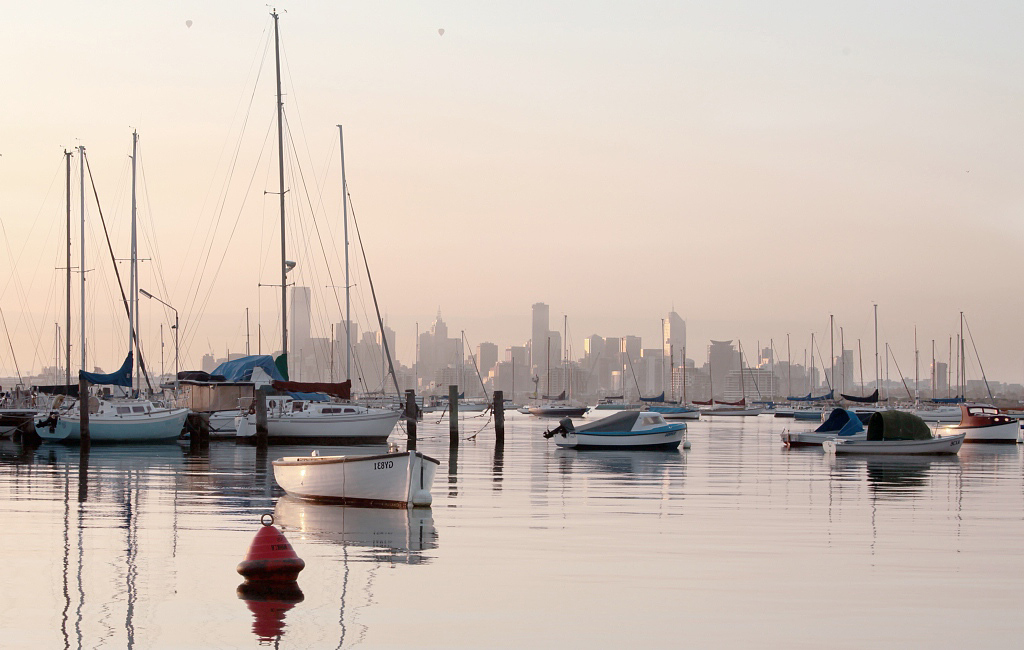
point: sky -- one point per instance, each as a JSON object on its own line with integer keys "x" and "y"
{"x": 755, "y": 167}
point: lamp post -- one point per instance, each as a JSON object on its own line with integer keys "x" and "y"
{"x": 149, "y": 295}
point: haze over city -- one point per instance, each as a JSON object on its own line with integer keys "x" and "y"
{"x": 753, "y": 169}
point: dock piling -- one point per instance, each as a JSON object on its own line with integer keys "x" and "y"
{"x": 499, "y": 417}
{"x": 262, "y": 431}
{"x": 453, "y": 414}
{"x": 410, "y": 418}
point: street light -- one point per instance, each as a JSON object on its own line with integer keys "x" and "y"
{"x": 149, "y": 295}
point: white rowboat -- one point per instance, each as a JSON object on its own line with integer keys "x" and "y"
{"x": 385, "y": 480}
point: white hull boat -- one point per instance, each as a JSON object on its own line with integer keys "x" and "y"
{"x": 939, "y": 445}
{"x": 385, "y": 480}
{"x": 733, "y": 412}
{"x": 291, "y": 420}
{"x": 941, "y": 414}
{"x": 983, "y": 423}
{"x": 116, "y": 421}
{"x": 624, "y": 430}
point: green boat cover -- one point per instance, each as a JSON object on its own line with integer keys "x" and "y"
{"x": 897, "y": 425}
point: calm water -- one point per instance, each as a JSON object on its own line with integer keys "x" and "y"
{"x": 736, "y": 542}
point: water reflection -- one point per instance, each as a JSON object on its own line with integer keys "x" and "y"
{"x": 627, "y": 462}
{"x": 895, "y": 476}
{"x": 269, "y": 603}
{"x": 391, "y": 534}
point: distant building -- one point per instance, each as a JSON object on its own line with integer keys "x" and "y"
{"x": 674, "y": 338}
{"x": 723, "y": 358}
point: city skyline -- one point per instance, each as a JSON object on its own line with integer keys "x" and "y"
{"x": 755, "y": 170}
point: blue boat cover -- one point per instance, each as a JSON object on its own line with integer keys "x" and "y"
{"x": 659, "y": 398}
{"x": 241, "y": 369}
{"x": 121, "y": 377}
{"x": 842, "y": 422}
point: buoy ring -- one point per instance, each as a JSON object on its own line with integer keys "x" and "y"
{"x": 263, "y": 519}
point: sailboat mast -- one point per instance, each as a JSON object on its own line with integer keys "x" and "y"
{"x": 789, "y": 366}
{"x": 133, "y": 269}
{"x": 832, "y": 348}
{"x": 280, "y": 176}
{"x": 348, "y": 304}
{"x": 877, "y": 367}
{"x": 963, "y": 362}
{"x": 67, "y": 328}
{"x": 81, "y": 257}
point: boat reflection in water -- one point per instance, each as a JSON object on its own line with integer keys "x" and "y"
{"x": 638, "y": 464}
{"x": 897, "y": 476}
{"x": 391, "y": 534}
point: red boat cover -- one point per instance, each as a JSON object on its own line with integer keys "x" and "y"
{"x": 341, "y": 391}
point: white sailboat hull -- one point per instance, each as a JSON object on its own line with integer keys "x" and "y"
{"x": 366, "y": 426}
{"x": 733, "y": 412}
{"x": 385, "y": 480}
{"x": 939, "y": 445}
{"x": 811, "y": 439}
{"x": 151, "y": 427}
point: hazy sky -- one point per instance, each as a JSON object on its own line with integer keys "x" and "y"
{"x": 755, "y": 166}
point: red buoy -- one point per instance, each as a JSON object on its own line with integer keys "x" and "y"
{"x": 271, "y": 558}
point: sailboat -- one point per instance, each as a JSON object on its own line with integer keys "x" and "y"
{"x": 128, "y": 419}
{"x": 295, "y": 419}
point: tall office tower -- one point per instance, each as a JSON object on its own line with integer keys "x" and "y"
{"x": 539, "y": 338}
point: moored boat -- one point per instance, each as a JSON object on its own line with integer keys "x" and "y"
{"x": 124, "y": 420}
{"x": 392, "y": 480}
{"x": 983, "y": 423}
{"x": 292, "y": 420}
{"x": 558, "y": 411}
{"x": 841, "y": 423}
{"x": 896, "y": 432}
{"x": 624, "y": 430}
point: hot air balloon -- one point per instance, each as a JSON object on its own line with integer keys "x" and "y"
{"x": 188, "y": 23}
{"x": 441, "y": 31}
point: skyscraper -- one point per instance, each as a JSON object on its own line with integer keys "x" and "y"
{"x": 539, "y": 337}
{"x": 675, "y": 338}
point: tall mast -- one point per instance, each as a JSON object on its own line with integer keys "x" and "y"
{"x": 832, "y": 348}
{"x": 67, "y": 328}
{"x": 877, "y": 367}
{"x": 348, "y": 308}
{"x": 963, "y": 362}
{"x": 565, "y": 353}
{"x": 280, "y": 185}
{"x": 81, "y": 257}
{"x": 842, "y": 356}
{"x": 917, "y": 369}
{"x": 133, "y": 269}
{"x": 743, "y": 389}
{"x": 789, "y": 366}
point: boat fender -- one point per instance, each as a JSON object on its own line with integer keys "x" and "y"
{"x": 270, "y": 558}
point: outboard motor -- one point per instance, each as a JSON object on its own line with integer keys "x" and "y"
{"x": 564, "y": 426}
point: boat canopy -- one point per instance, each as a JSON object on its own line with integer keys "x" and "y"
{"x": 897, "y": 425}
{"x": 60, "y": 389}
{"x": 659, "y": 398}
{"x": 342, "y": 390}
{"x": 559, "y": 397}
{"x": 199, "y": 375}
{"x": 870, "y": 399}
{"x": 121, "y": 377}
{"x": 842, "y": 422}
{"x": 742, "y": 402}
{"x": 241, "y": 369}
{"x": 810, "y": 398}
{"x": 623, "y": 421}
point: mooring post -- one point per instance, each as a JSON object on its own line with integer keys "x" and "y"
{"x": 410, "y": 418}
{"x": 83, "y": 418}
{"x": 499, "y": 417}
{"x": 262, "y": 432}
{"x": 453, "y": 414}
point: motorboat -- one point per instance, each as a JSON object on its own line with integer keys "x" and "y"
{"x": 719, "y": 411}
{"x": 677, "y": 412}
{"x": 115, "y": 420}
{"x": 555, "y": 410}
{"x": 897, "y": 432}
{"x": 984, "y": 423}
{"x": 623, "y": 430}
{"x": 298, "y": 420}
{"x": 393, "y": 480}
{"x": 841, "y": 423}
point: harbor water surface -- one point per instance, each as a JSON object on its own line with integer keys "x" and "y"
{"x": 736, "y": 542}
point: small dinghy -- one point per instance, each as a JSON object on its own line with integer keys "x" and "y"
{"x": 841, "y": 424}
{"x": 624, "y": 430}
{"x": 896, "y": 432}
{"x": 394, "y": 480}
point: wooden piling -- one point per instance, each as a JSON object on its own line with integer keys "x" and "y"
{"x": 499, "y": 417}
{"x": 410, "y": 418}
{"x": 262, "y": 431}
{"x": 453, "y": 414}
